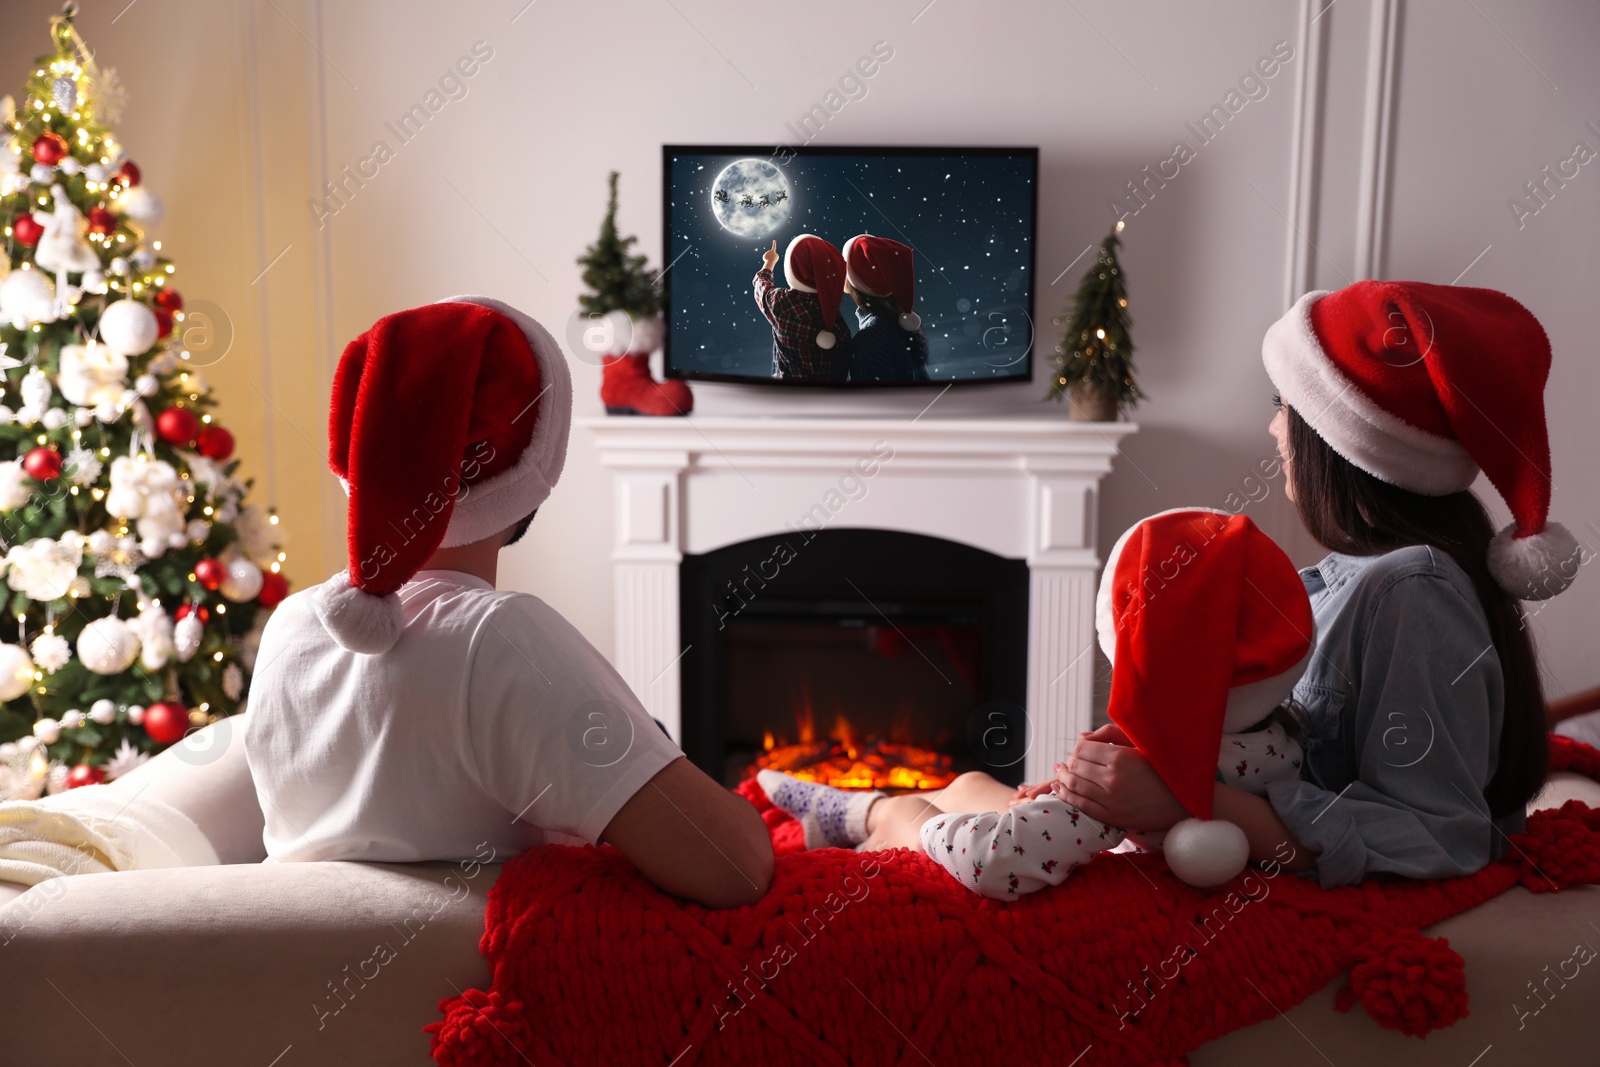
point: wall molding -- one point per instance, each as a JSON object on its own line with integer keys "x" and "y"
{"x": 1305, "y": 152}
{"x": 1377, "y": 138}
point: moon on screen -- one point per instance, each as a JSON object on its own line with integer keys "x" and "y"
{"x": 750, "y": 198}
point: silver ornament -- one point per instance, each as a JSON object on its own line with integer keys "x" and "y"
{"x": 64, "y": 91}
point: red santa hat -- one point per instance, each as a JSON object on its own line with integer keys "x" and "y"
{"x": 1425, "y": 385}
{"x": 812, "y": 265}
{"x": 447, "y": 424}
{"x": 1208, "y": 627}
{"x": 878, "y": 266}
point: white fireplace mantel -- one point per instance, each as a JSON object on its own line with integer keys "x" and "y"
{"x": 1022, "y": 488}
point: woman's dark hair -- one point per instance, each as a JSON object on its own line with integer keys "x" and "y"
{"x": 522, "y": 528}
{"x": 1350, "y": 511}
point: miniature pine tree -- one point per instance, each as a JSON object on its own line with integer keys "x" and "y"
{"x": 135, "y": 577}
{"x": 617, "y": 279}
{"x": 1095, "y": 350}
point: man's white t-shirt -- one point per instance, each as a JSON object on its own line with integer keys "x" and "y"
{"x": 492, "y": 722}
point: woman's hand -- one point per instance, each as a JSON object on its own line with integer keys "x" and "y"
{"x": 769, "y": 258}
{"x": 1108, "y": 780}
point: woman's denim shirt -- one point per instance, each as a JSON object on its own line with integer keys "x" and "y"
{"x": 1402, "y": 702}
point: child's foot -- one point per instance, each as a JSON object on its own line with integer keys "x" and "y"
{"x": 831, "y": 818}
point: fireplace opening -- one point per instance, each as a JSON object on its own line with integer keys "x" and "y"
{"x": 865, "y": 659}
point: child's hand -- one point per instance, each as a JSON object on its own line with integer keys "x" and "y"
{"x": 769, "y": 258}
{"x": 1026, "y": 793}
{"x": 1115, "y": 784}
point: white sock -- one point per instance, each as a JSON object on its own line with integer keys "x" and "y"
{"x": 831, "y": 818}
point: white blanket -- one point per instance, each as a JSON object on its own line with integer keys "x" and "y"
{"x": 93, "y": 829}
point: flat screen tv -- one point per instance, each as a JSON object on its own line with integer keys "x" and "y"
{"x": 959, "y": 230}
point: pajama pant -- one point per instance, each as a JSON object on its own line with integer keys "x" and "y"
{"x": 1004, "y": 854}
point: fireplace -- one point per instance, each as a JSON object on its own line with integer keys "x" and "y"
{"x": 1005, "y": 497}
{"x": 864, "y": 658}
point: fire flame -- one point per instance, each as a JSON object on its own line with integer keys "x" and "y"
{"x": 843, "y": 761}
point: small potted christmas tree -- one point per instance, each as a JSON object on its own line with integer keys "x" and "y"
{"x": 624, "y": 307}
{"x": 1094, "y": 358}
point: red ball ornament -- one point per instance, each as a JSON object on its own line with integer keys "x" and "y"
{"x": 49, "y": 148}
{"x": 211, "y": 573}
{"x": 163, "y": 322}
{"x": 177, "y": 426}
{"x": 199, "y": 610}
{"x": 274, "y": 587}
{"x": 27, "y": 230}
{"x": 42, "y": 464}
{"x": 101, "y": 220}
{"x": 166, "y": 722}
{"x": 169, "y": 300}
{"x": 129, "y": 174}
{"x": 83, "y": 774}
{"x": 214, "y": 442}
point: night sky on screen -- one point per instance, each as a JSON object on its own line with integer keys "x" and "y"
{"x": 968, "y": 219}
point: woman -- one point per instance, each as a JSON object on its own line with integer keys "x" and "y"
{"x": 1423, "y": 717}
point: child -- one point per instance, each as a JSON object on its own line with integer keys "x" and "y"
{"x": 804, "y": 348}
{"x": 406, "y": 710}
{"x": 1208, "y": 628}
{"x": 880, "y": 276}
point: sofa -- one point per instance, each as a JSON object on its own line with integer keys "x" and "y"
{"x": 279, "y": 965}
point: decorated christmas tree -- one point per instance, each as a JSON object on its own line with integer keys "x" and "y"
{"x": 133, "y": 576}
{"x": 1095, "y": 353}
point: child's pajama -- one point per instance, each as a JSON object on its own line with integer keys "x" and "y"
{"x": 1038, "y": 843}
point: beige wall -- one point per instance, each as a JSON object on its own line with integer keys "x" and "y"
{"x": 240, "y": 109}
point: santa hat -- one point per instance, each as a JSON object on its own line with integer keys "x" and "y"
{"x": 812, "y": 265}
{"x": 878, "y": 266}
{"x": 447, "y": 424}
{"x": 1423, "y": 386}
{"x": 1208, "y": 628}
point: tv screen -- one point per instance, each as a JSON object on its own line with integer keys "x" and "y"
{"x": 937, "y": 287}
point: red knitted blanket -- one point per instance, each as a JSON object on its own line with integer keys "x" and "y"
{"x": 880, "y": 958}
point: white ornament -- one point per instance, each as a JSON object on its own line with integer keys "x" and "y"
{"x": 96, "y": 172}
{"x": 16, "y": 487}
{"x": 36, "y": 393}
{"x": 243, "y": 582}
{"x": 147, "y": 385}
{"x": 71, "y": 720}
{"x": 107, "y": 645}
{"x": 82, "y": 466}
{"x": 147, "y": 490}
{"x": 63, "y": 249}
{"x": 16, "y": 671}
{"x": 55, "y": 418}
{"x": 51, "y": 651}
{"x": 7, "y": 416}
{"x": 92, "y": 374}
{"x": 47, "y": 731}
{"x": 232, "y": 681}
{"x": 141, "y": 205}
{"x": 153, "y": 628}
{"x": 56, "y": 780}
{"x": 100, "y": 543}
{"x": 78, "y": 588}
{"x": 41, "y": 174}
{"x": 69, "y": 166}
{"x": 136, "y": 713}
{"x": 103, "y": 711}
{"x": 128, "y": 327}
{"x": 107, "y": 412}
{"x": 126, "y": 758}
{"x": 198, "y": 530}
{"x": 186, "y": 635}
{"x": 27, "y": 297}
{"x": 42, "y": 569}
{"x": 119, "y": 265}
{"x": 144, "y": 259}
{"x": 83, "y": 416}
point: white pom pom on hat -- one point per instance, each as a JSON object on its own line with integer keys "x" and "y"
{"x": 1423, "y": 386}
{"x": 879, "y": 266}
{"x": 825, "y": 339}
{"x": 497, "y": 397}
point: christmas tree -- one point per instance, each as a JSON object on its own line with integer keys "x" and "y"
{"x": 134, "y": 578}
{"x": 617, "y": 279}
{"x": 1095, "y": 351}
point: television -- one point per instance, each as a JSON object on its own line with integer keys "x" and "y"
{"x": 959, "y": 225}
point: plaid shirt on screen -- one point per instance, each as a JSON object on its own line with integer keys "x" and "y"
{"x": 796, "y": 320}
